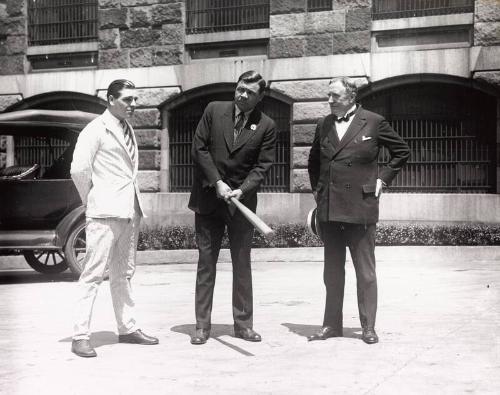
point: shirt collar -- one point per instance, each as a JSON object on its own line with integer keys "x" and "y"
{"x": 115, "y": 121}
{"x": 237, "y": 112}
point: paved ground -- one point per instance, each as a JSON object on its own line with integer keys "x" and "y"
{"x": 439, "y": 325}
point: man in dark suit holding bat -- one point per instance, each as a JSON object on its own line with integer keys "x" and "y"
{"x": 347, "y": 184}
{"x": 233, "y": 148}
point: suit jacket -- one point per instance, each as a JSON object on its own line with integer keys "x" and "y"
{"x": 344, "y": 173}
{"x": 242, "y": 165}
{"x": 103, "y": 170}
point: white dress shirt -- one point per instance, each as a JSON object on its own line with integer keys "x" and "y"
{"x": 342, "y": 126}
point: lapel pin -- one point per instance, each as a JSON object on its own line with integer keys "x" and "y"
{"x": 253, "y": 126}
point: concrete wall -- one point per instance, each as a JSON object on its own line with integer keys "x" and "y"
{"x": 171, "y": 208}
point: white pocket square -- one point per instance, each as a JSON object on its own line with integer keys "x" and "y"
{"x": 364, "y": 138}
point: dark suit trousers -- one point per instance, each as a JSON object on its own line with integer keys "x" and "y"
{"x": 209, "y": 233}
{"x": 360, "y": 240}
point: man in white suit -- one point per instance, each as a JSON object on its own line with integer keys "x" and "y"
{"x": 104, "y": 170}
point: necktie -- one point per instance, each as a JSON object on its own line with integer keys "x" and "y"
{"x": 127, "y": 134}
{"x": 345, "y": 118}
{"x": 238, "y": 125}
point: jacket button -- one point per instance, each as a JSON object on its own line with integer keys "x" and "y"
{"x": 349, "y": 164}
{"x": 347, "y": 186}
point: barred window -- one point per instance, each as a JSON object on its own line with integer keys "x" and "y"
{"x": 319, "y": 5}
{"x": 451, "y": 134}
{"x": 61, "y": 21}
{"x": 388, "y": 9}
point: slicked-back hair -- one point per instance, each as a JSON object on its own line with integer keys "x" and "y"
{"x": 251, "y": 76}
{"x": 348, "y": 84}
{"x": 117, "y": 86}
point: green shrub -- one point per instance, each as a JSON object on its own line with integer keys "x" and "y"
{"x": 296, "y": 235}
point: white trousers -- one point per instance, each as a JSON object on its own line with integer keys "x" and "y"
{"x": 111, "y": 243}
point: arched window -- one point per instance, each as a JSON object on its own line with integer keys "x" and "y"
{"x": 450, "y": 129}
{"x": 182, "y": 125}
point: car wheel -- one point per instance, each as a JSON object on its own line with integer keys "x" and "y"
{"x": 75, "y": 248}
{"x": 46, "y": 261}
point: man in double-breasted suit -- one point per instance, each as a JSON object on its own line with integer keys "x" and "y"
{"x": 104, "y": 170}
{"x": 347, "y": 184}
{"x": 233, "y": 148}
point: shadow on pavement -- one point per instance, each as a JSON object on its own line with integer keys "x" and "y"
{"x": 307, "y": 330}
{"x": 32, "y": 277}
{"x": 216, "y": 331}
{"x": 98, "y": 339}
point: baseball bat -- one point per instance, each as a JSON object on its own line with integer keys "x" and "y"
{"x": 260, "y": 225}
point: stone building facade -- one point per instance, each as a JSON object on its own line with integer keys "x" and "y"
{"x": 156, "y": 44}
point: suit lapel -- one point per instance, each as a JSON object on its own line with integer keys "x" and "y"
{"x": 118, "y": 135}
{"x": 249, "y": 129}
{"x": 354, "y": 128}
{"x": 329, "y": 136}
{"x": 228, "y": 126}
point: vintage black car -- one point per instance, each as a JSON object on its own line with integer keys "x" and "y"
{"x": 41, "y": 214}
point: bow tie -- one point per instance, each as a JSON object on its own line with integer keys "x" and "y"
{"x": 345, "y": 118}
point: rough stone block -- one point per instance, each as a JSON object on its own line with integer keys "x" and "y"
{"x": 343, "y": 4}
{"x": 113, "y": 58}
{"x": 303, "y": 134}
{"x": 287, "y": 6}
{"x": 141, "y": 57}
{"x": 167, "y": 13}
{"x": 16, "y": 45}
{"x": 134, "y": 3}
{"x": 146, "y": 118}
{"x": 358, "y": 19}
{"x": 324, "y": 22}
{"x": 140, "y": 37}
{"x": 15, "y": 7}
{"x": 319, "y": 44}
{"x": 486, "y": 33}
{"x": 310, "y": 112}
{"x": 490, "y": 77}
{"x": 113, "y": 17}
{"x": 172, "y": 34}
{"x": 3, "y": 12}
{"x": 351, "y": 42}
{"x": 110, "y": 3}
{"x": 13, "y": 26}
{"x": 139, "y": 16}
{"x": 148, "y": 138}
{"x": 149, "y": 159}
{"x": 300, "y": 181}
{"x": 168, "y": 55}
{"x": 286, "y": 25}
{"x": 487, "y": 11}
{"x": 153, "y": 97}
{"x": 109, "y": 38}
{"x": 302, "y": 90}
{"x": 12, "y": 64}
{"x": 300, "y": 157}
{"x": 287, "y": 47}
{"x": 8, "y": 100}
{"x": 149, "y": 180}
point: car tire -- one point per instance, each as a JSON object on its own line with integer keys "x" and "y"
{"x": 75, "y": 248}
{"x": 46, "y": 261}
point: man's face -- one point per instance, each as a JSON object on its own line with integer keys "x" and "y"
{"x": 123, "y": 106}
{"x": 247, "y": 95}
{"x": 339, "y": 99}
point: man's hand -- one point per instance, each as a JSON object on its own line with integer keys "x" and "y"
{"x": 237, "y": 193}
{"x": 222, "y": 189}
{"x": 378, "y": 187}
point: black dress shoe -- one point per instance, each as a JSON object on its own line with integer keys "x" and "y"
{"x": 137, "y": 337}
{"x": 201, "y": 336}
{"x": 369, "y": 336}
{"x": 325, "y": 333}
{"x": 247, "y": 334}
{"x": 82, "y": 348}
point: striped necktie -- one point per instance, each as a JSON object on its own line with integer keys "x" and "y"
{"x": 240, "y": 119}
{"x": 127, "y": 135}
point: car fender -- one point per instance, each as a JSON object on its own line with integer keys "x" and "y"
{"x": 67, "y": 224}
